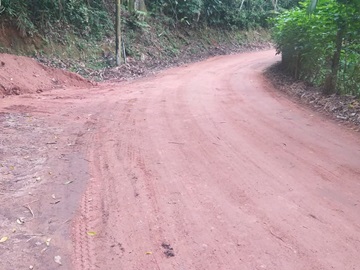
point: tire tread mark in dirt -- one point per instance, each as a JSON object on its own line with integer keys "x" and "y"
{"x": 83, "y": 256}
{"x": 90, "y": 213}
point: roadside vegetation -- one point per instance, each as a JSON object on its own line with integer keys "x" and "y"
{"x": 80, "y": 35}
{"x": 320, "y": 43}
{"x": 94, "y": 18}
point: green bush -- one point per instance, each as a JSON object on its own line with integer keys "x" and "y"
{"x": 308, "y": 44}
{"x": 86, "y": 18}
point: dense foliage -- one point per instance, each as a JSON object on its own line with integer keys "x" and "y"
{"x": 242, "y": 14}
{"x": 76, "y": 24}
{"x": 322, "y": 47}
{"x": 95, "y": 17}
{"x": 86, "y": 18}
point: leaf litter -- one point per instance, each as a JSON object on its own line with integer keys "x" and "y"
{"x": 4, "y": 239}
{"x": 57, "y": 259}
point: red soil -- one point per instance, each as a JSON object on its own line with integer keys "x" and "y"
{"x": 201, "y": 167}
{"x": 19, "y": 75}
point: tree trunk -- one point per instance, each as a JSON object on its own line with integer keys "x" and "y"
{"x": 118, "y": 32}
{"x": 131, "y": 5}
{"x": 140, "y": 5}
{"x": 331, "y": 78}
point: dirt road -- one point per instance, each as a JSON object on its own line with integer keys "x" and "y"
{"x": 199, "y": 167}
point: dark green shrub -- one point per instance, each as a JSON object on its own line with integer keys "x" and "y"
{"x": 308, "y": 44}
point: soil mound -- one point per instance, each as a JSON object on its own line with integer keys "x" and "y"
{"x": 19, "y": 75}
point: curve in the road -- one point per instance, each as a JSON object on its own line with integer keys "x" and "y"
{"x": 210, "y": 164}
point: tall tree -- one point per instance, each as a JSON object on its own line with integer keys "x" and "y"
{"x": 140, "y": 5}
{"x": 341, "y": 22}
{"x": 323, "y": 47}
{"x": 118, "y": 32}
{"x": 134, "y": 5}
{"x": 131, "y": 5}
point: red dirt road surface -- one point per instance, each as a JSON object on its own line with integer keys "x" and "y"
{"x": 204, "y": 166}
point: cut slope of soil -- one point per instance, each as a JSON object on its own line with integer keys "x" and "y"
{"x": 19, "y": 75}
